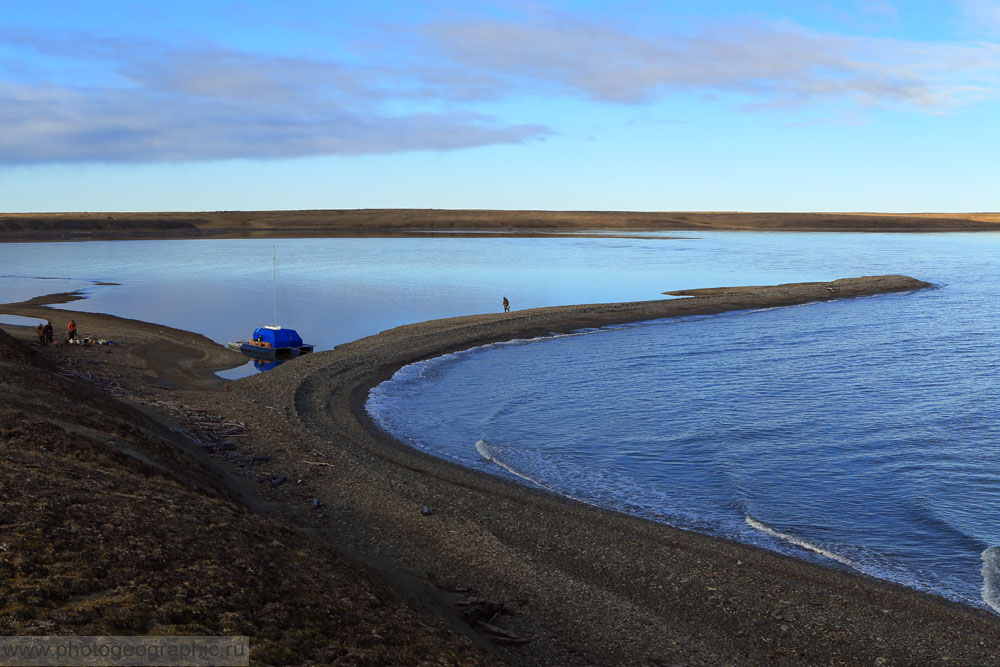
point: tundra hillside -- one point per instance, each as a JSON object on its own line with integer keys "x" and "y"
{"x": 114, "y": 524}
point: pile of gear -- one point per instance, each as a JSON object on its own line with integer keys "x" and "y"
{"x": 89, "y": 340}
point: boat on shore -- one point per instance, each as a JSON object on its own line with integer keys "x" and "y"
{"x": 272, "y": 342}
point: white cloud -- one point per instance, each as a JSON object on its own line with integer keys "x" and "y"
{"x": 159, "y": 103}
{"x": 762, "y": 64}
{"x": 61, "y": 124}
{"x": 143, "y": 100}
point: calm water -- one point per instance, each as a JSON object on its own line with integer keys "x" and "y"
{"x": 865, "y": 430}
{"x": 863, "y": 433}
{"x": 337, "y": 290}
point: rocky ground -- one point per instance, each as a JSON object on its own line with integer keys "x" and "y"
{"x": 113, "y": 523}
{"x": 329, "y": 539}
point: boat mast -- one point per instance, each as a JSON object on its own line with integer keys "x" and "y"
{"x": 274, "y": 266}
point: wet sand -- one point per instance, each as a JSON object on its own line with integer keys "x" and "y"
{"x": 568, "y": 583}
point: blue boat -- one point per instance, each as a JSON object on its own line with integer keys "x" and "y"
{"x": 272, "y": 342}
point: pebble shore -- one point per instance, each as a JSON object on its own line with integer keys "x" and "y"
{"x": 531, "y": 577}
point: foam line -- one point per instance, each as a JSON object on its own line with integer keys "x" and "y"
{"x": 484, "y": 449}
{"x": 991, "y": 577}
{"x": 757, "y": 525}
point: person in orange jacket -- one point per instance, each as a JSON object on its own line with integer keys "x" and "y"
{"x": 71, "y": 328}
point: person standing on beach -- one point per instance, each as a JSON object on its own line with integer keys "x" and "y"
{"x": 506, "y": 305}
{"x": 40, "y": 330}
{"x": 71, "y": 329}
{"x": 48, "y": 333}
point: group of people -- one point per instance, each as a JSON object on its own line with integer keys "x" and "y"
{"x": 44, "y": 332}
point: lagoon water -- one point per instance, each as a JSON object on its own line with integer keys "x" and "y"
{"x": 338, "y": 290}
{"x": 861, "y": 433}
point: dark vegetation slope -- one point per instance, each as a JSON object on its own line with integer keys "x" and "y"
{"x": 109, "y": 527}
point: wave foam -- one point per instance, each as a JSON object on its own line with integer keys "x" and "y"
{"x": 488, "y": 452}
{"x": 991, "y": 577}
{"x": 791, "y": 539}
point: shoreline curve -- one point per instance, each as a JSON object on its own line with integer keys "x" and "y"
{"x": 580, "y": 584}
{"x": 618, "y": 575}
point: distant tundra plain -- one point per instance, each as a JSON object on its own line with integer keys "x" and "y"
{"x": 396, "y": 222}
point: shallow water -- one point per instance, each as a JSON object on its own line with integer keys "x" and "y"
{"x": 859, "y": 433}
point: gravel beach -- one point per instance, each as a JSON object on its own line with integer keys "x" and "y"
{"x": 527, "y": 576}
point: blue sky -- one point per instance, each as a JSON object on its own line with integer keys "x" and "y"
{"x": 781, "y": 105}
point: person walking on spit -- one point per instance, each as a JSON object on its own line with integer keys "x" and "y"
{"x": 506, "y": 305}
{"x": 48, "y": 333}
{"x": 71, "y": 329}
{"x": 40, "y": 330}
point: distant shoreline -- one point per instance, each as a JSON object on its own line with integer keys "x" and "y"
{"x": 33, "y": 227}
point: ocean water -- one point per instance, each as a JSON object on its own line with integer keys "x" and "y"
{"x": 862, "y": 434}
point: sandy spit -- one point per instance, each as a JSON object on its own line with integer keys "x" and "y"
{"x": 574, "y": 584}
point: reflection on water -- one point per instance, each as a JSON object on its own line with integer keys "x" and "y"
{"x": 262, "y": 365}
{"x": 250, "y": 367}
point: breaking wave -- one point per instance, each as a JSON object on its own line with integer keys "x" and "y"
{"x": 488, "y": 452}
{"x": 991, "y": 577}
{"x": 791, "y": 539}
